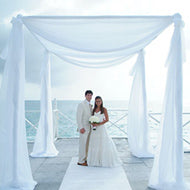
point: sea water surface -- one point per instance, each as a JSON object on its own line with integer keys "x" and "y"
{"x": 65, "y": 119}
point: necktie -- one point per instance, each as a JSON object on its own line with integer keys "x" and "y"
{"x": 90, "y": 108}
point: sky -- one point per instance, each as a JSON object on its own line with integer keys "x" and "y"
{"x": 69, "y": 82}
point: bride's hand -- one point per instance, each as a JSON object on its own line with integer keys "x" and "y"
{"x": 94, "y": 124}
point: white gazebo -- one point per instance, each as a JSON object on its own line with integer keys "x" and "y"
{"x": 95, "y": 42}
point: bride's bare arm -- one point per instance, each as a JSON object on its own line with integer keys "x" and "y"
{"x": 106, "y": 116}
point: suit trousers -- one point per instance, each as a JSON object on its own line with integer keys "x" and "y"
{"x": 83, "y": 146}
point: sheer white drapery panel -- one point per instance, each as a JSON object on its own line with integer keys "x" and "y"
{"x": 94, "y": 42}
{"x": 15, "y": 171}
{"x": 138, "y": 130}
{"x": 44, "y": 140}
{"x": 98, "y": 41}
{"x": 167, "y": 172}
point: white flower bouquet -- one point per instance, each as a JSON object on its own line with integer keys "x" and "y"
{"x": 94, "y": 120}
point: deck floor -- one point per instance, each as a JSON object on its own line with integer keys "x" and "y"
{"x": 49, "y": 172}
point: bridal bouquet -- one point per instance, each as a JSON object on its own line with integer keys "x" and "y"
{"x": 95, "y": 120}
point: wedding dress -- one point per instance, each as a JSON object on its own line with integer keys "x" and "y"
{"x": 102, "y": 151}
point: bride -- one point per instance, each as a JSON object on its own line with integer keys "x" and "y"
{"x": 102, "y": 151}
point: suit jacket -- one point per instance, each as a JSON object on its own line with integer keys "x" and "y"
{"x": 84, "y": 111}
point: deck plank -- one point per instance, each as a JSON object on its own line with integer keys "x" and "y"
{"x": 49, "y": 172}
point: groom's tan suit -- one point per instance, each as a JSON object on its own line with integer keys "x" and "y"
{"x": 84, "y": 111}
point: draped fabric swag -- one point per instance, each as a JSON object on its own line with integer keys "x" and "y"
{"x": 93, "y": 42}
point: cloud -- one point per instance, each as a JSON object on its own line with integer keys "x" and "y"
{"x": 70, "y": 82}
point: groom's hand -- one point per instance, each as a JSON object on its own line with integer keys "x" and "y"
{"x": 82, "y": 130}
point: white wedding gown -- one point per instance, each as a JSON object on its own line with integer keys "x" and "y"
{"x": 102, "y": 151}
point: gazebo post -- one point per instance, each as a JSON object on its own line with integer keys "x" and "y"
{"x": 167, "y": 171}
{"x": 138, "y": 130}
{"x": 44, "y": 141}
{"x": 15, "y": 171}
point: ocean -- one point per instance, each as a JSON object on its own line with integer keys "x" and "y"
{"x": 65, "y": 119}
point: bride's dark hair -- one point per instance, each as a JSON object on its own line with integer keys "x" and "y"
{"x": 95, "y": 106}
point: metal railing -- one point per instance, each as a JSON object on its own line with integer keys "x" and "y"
{"x": 62, "y": 119}
{"x": 59, "y": 116}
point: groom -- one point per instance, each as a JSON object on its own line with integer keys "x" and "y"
{"x": 84, "y": 111}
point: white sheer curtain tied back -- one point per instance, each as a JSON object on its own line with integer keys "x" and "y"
{"x": 94, "y": 42}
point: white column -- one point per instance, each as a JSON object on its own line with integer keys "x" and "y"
{"x": 15, "y": 171}
{"x": 167, "y": 171}
{"x": 55, "y": 119}
{"x": 138, "y": 130}
{"x": 44, "y": 141}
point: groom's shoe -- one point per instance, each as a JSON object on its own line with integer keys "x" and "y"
{"x": 82, "y": 164}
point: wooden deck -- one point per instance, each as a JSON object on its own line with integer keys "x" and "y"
{"x": 49, "y": 172}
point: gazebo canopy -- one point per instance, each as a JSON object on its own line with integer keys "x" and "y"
{"x": 91, "y": 41}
